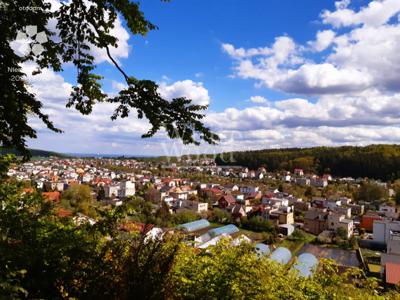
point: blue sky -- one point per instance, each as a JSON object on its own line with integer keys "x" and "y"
{"x": 275, "y": 74}
{"x": 190, "y": 35}
{"x": 187, "y": 44}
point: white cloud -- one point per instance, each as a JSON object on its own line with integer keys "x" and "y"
{"x": 117, "y": 86}
{"x": 199, "y": 74}
{"x": 186, "y": 88}
{"x": 324, "y": 40}
{"x": 377, "y": 13}
{"x": 366, "y": 118}
{"x": 122, "y": 51}
{"x": 100, "y": 55}
{"x": 258, "y": 99}
{"x": 242, "y": 53}
{"x": 96, "y": 133}
{"x": 358, "y": 58}
{"x": 342, "y": 4}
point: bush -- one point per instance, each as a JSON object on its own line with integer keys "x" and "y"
{"x": 257, "y": 224}
{"x": 220, "y": 216}
{"x": 184, "y": 216}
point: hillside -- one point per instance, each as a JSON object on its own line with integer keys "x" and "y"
{"x": 34, "y": 152}
{"x": 373, "y": 161}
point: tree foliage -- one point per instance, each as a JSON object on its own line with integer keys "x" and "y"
{"x": 258, "y": 224}
{"x": 78, "y": 198}
{"x": 44, "y": 256}
{"x": 226, "y": 272}
{"x": 82, "y": 25}
{"x": 370, "y": 191}
{"x": 48, "y": 257}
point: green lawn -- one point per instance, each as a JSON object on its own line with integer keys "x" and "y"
{"x": 257, "y": 236}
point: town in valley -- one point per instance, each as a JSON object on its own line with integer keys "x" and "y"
{"x": 288, "y": 215}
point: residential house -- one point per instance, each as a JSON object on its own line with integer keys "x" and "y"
{"x": 169, "y": 181}
{"x": 392, "y": 273}
{"x": 319, "y": 182}
{"x": 238, "y": 211}
{"x": 249, "y": 189}
{"x": 212, "y": 193}
{"x": 368, "y": 219}
{"x": 231, "y": 187}
{"x": 283, "y": 216}
{"x": 303, "y": 181}
{"x": 226, "y": 201}
{"x": 301, "y": 205}
{"x": 346, "y": 211}
{"x": 286, "y": 178}
{"x": 126, "y": 189}
{"x": 318, "y": 202}
{"x": 357, "y": 209}
{"x": 198, "y": 207}
{"x": 389, "y": 211}
{"x": 337, "y": 220}
{"x": 391, "y": 259}
{"x": 111, "y": 190}
{"x": 382, "y": 230}
{"x": 315, "y": 221}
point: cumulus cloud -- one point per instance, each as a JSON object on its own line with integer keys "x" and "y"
{"x": 377, "y": 13}
{"x": 363, "y": 56}
{"x": 362, "y": 119}
{"x": 369, "y": 117}
{"x": 185, "y": 88}
{"x": 324, "y": 40}
{"x": 258, "y": 99}
{"x": 122, "y": 51}
{"x": 117, "y": 86}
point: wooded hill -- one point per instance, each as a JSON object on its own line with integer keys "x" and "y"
{"x": 34, "y": 152}
{"x": 373, "y": 161}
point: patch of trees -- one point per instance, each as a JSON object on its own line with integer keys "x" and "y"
{"x": 374, "y": 161}
{"x": 371, "y": 192}
{"x": 78, "y": 198}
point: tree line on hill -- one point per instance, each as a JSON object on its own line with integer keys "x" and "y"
{"x": 374, "y": 161}
{"x": 33, "y": 152}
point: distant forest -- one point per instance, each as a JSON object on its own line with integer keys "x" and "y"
{"x": 34, "y": 152}
{"x": 374, "y": 161}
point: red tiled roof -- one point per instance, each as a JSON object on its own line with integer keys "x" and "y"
{"x": 269, "y": 196}
{"x": 52, "y": 196}
{"x": 212, "y": 190}
{"x": 253, "y": 195}
{"x": 135, "y": 226}
{"x": 228, "y": 198}
{"x": 103, "y": 180}
{"x": 61, "y": 212}
{"x": 168, "y": 180}
{"x": 27, "y": 190}
{"x": 392, "y": 273}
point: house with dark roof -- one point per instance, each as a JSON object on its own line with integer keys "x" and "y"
{"x": 226, "y": 200}
{"x": 315, "y": 221}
